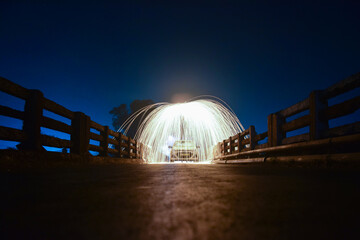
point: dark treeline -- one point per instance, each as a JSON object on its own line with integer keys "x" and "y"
{"x": 122, "y": 112}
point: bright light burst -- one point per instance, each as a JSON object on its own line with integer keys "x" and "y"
{"x": 204, "y": 121}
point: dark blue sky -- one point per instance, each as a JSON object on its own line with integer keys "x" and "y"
{"x": 259, "y": 57}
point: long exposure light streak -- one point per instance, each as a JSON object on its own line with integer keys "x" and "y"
{"x": 204, "y": 121}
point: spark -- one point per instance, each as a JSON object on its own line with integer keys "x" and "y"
{"x": 205, "y": 121}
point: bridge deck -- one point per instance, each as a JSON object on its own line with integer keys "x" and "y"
{"x": 180, "y": 201}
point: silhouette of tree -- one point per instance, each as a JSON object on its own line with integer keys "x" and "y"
{"x": 121, "y": 113}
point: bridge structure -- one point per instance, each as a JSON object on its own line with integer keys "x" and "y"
{"x": 184, "y": 201}
{"x": 81, "y": 129}
{"x": 318, "y": 142}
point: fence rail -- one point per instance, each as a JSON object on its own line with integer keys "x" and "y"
{"x": 31, "y": 138}
{"x": 246, "y": 144}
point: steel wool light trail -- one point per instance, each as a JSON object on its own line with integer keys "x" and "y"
{"x": 203, "y": 122}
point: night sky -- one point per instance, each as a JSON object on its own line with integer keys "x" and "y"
{"x": 258, "y": 57}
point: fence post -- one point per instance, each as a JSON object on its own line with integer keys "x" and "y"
{"x": 318, "y": 125}
{"x": 138, "y": 146}
{"x": 105, "y": 142}
{"x": 252, "y": 135}
{"x": 230, "y": 146}
{"x": 119, "y": 145}
{"x": 32, "y": 121}
{"x": 224, "y": 147}
{"x": 129, "y": 146}
{"x": 239, "y": 142}
{"x": 135, "y": 150}
{"x": 275, "y": 134}
{"x": 80, "y": 135}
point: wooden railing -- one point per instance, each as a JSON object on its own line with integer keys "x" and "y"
{"x": 245, "y": 144}
{"x": 31, "y": 138}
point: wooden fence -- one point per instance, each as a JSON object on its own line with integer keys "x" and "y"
{"x": 318, "y": 137}
{"x": 31, "y": 138}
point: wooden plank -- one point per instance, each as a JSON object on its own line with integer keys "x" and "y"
{"x": 125, "y": 145}
{"x": 13, "y": 89}
{"x": 297, "y": 138}
{"x": 132, "y": 141}
{"x": 342, "y": 109}
{"x": 270, "y": 129}
{"x": 113, "y": 141}
{"x": 245, "y": 141}
{"x": 80, "y": 135}
{"x": 123, "y": 137}
{"x": 244, "y": 133}
{"x": 96, "y": 137}
{"x": 113, "y": 151}
{"x": 118, "y": 145}
{"x": 308, "y": 145}
{"x": 245, "y": 149}
{"x": 261, "y": 146}
{"x": 239, "y": 138}
{"x": 296, "y": 123}
{"x": 55, "y": 142}
{"x": 295, "y": 109}
{"x": 318, "y": 125}
{"x": 252, "y": 135}
{"x": 129, "y": 146}
{"x": 105, "y": 142}
{"x": 56, "y": 125}
{"x": 9, "y": 112}
{"x": 124, "y": 153}
{"x": 239, "y": 161}
{"x": 223, "y": 149}
{"x": 96, "y": 126}
{"x": 347, "y": 129}
{"x": 113, "y": 133}
{"x": 230, "y": 146}
{"x": 343, "y": 86}
{"x": 335, "y": 157}
{"x": 33, "y": 114}
{"x": 275, "y": 122}
{"x": 261, "y": 136}
{"x": 58, "y": 109}
{"x": 95, "y": 148}
{"x": 11, "y": 134}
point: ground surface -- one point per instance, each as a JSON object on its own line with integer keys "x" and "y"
{"x": 180, "y": 201}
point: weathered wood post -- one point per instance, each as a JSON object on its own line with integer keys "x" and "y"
{"x": 33, "y": 115}
{"x": 135, "y": 150}
{"x": 138, "y": 146}
{"x": 252, "y": 135}
{"x": 105, "y": 142}
{"x": 224, "y": 147}
{"x": 270, "y": 129}
{"x": 119, "y": 146}
{"x": 318, "y": 125}
{"x": 275, "y": 134}
{"x": 80, "y": 135}
{"x": 230, "y": 146}
{"x": 129, "y": 146}
{"x": 239, "y": 142}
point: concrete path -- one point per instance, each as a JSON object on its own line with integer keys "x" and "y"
{"x": 180, "y": 201}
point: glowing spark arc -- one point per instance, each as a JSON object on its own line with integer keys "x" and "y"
{"x": 204, "y": 121}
